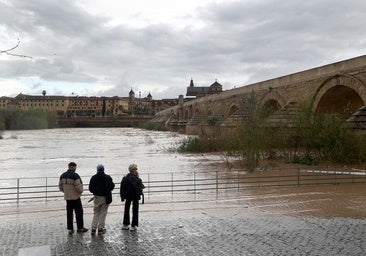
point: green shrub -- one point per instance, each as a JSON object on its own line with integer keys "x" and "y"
{"x": 27, "y": 119}
{"x": 328, "y": 136}
{"x": 306, "y": 159}
{"x": 198, "y": 145}
{"x": 191, "y": 144}
{"x": 153, "y": 126}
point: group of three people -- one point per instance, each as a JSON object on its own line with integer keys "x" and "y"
{"x": 101, "y": 186}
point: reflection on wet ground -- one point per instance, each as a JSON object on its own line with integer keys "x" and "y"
{"x": 275, "y": 191}
{"x": 345, "y": 200}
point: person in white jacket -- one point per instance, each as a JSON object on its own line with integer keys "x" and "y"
{"x": 72, "y": 186}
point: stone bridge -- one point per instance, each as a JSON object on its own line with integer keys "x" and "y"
{"x": 334, "y": 88}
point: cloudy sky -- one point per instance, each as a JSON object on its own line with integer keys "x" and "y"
{"x": 107, "y": 47}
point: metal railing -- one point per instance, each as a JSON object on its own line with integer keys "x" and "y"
{"x": 174, "y": 184}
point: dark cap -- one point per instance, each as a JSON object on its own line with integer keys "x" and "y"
{"x": 100, "y": 168}
{"x": 72, "y": 164}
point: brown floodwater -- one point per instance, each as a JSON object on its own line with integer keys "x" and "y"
{"x": 344, "y": 200}
{"x": 318, "y": 200}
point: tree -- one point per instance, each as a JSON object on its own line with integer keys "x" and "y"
{"x": 251, "y": 137}
{"x": 44, "y": 92}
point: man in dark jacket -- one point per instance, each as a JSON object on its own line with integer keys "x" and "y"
{"x": 72, "y": 187}
{"x": 101, "y": 185}
{"x": 131, "y": 191}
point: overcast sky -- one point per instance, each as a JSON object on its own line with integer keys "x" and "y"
{"x": 107, "y": 47}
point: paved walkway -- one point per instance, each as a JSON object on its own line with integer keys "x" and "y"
{"x": 202, "y": 227}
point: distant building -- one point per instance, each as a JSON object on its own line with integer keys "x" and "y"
{"x": 5, "y": 101}
{"x": 68, "y": 106}
{"x": 139, "y": 105}
{"x": 147, "y": 105}
{"x": 203, "y": 91}
{"x": 96, "y": 106}
{"x": 82, "y": 106}
{"x": 25, "y": 102}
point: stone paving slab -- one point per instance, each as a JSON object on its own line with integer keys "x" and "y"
{"x": 35, "y": 251}
{"x": 195, "y": 228}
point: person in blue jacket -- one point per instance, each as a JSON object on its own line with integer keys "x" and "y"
{"x": 101, "y": 185}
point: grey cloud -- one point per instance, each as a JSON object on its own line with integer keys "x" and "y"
{"x": 60, "y": 17}
{"x": 286, "y": 35}
{"x": 241, "y": 42}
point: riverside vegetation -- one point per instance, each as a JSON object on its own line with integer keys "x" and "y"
{"x": 314, "y": 138}
{"x": 27, "y": 119}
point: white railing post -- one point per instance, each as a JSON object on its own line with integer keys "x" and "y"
{"x": 194, "y": 183}
{"x": 46, "y": 188}
{"x": 172, "y": 184}
{"x": 18, "y": 182}
{"x": 148, "y": 185}
{"x": 238, "y": 180}
{"x": 217, "y": 183}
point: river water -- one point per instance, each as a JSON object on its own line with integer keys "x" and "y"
{"x": 46, "y": 153}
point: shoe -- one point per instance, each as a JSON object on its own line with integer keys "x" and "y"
{"x": 101, "y": 231}
{"x": 82, "y": 230}
{"x": 93, "y": 231}
{"x": 133, "y": 228}
{"x": 125, "y": 227}
{"x": 71, "y": 232}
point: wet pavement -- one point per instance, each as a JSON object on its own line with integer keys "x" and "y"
{"x": 257, "y": 222}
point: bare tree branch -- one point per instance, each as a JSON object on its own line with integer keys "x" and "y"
{"x": 8, "y": 52}
{"x": 12, "y": 48}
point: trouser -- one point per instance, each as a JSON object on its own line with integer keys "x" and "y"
{"x": 71, "y": 206}
{"x": 135, "y": 213}
{"x": 100, "y": 212}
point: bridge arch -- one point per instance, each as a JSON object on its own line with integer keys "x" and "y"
{"x": 273, "y": 100}
{"x": 340, "y": 94}
{"x": 272, "y": 105}
{"x": 232, "y": 109}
